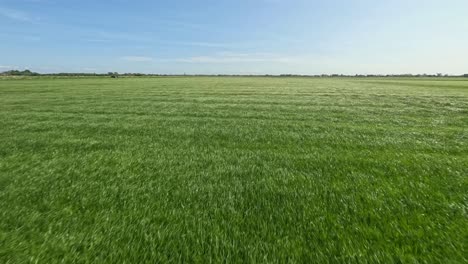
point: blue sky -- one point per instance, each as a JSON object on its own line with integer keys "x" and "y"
{"x": 235, "y": 37}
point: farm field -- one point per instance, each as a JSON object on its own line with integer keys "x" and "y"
{"x": 233, "y": 170}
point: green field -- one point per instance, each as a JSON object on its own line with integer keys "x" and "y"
{"x": 233, "y": 170}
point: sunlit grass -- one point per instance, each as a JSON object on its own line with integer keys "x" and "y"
{"x": 233, "y": 170}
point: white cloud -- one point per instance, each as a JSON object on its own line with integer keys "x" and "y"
{"x": 137, "y": 58}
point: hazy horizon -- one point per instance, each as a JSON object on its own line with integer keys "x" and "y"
{"x": 242, "y": 37}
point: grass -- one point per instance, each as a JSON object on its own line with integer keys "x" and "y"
{"x": 233, "y": 170}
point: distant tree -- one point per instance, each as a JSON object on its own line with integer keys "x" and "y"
{"x": 113, "y": 74}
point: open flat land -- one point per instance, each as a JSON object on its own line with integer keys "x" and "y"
{"x": 211, "y": 169}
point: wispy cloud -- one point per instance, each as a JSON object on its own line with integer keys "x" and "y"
{"x": 90, "y": 69}
{"x": 206, "y": 44}
{"x": 31, "y": 38}
{"x": 19, "y": 36}
{"x": 96, "y": 40}
{"x": 175, "y": 24}
{"x": 151, "y": 38}
{"x": 16, "y": 15}
{"x": 229, "y": 57}
{"x": 8, "y": 67}
{"x": 137, "y": 58}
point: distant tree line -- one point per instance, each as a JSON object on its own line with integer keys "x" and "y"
{"x": 116, "y": 75}
{"x": 20, "y": 73}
